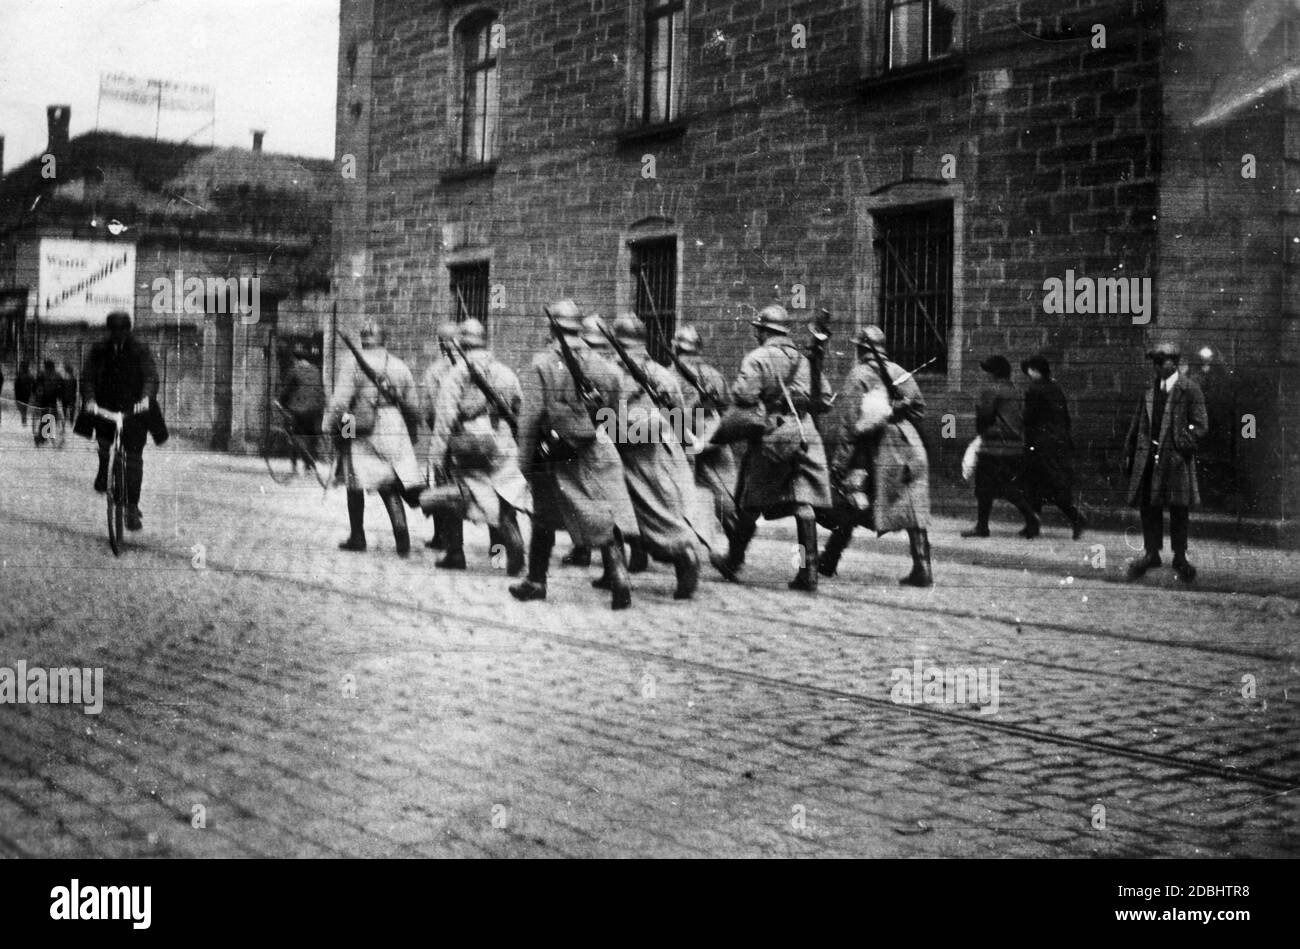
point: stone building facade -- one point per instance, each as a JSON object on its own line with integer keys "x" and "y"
{"x": 929, "y": 165}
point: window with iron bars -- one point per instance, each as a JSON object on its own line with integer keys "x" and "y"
{"x": 914, "y": 254}
{"x": 469, "y": 291}
{"x": 920, "y": 31}
{"x": 654, "y": 280}
{"x": 663, "y": 31}
{"x": 479, "y": 92}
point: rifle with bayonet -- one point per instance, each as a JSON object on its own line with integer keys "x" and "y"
{"x": 707, "y": 395}
{"x": 583, "y": 388}
{"x": 648, "y": 385}
{"x": 387, "y": 392}
{"x": 494, "y": 397}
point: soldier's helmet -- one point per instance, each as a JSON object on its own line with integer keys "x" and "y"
{"x": 371, "y": 333}
{"x": 473, "y": 334}
{"x": 448, "y": 331}
{"x": 1165, "y": 350}
{"x": 687, "y": 340}
{"x": 629, "y": 329}
{"x": 567, "y": 315}
{"x": 871, "y": 337}
{"x": 591, "y": 332}
{"x": 118, "y": 320}
{"x": 773, "y": 317}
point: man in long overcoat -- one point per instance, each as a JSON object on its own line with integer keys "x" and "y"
{"x": 1160, "y": 458}
{"x": 1049, "y": 468}
{"x": 884, "y": 449}
{"x": 578, "y": 482}
{"x": 1000, "y": 466}
{"x": 437, "y": 370}
{"x": 492, "y": 487}
{"x": 381, "y": 460}
{"x": 774, "y": 481}
{"x": 715, "y": 465}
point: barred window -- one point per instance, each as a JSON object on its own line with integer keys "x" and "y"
{"x": 469, "y": 291}
{"x": 914, "y": 252}
{"x": 663, "y": 58}
{"x": 480, "y": 107}
{"x": 654, "y": 279}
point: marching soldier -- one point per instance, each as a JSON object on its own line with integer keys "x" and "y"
{"x": 429, "y": 383}
{"x": 575, "y": 473}
{"x": 877, "y": 456}
{"x": 704, "y": 398}
{"x": 784, "y": 469}
{"x": 578, "y": 555}
{"x": 658, "y": 475}
{"x": 379, "y": 455}
{"x": 473, "y": 446}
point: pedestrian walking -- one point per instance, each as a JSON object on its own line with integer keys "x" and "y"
{"x": 473, "y": 448}
{"x": 374, "y": 411}
{"x": 303, "y": 397}
{"x": 877, "y": 457}
{"x": 659, "y": 478}
{"x": 436, "y": 371}
{"x": 579, "y": 555}
{"x": 784, "y": 472}
{"x": 24, "y": 382}
{"x": 576, "y": 474}
{"x": 68, "y": 392}
{"x": 120, "y": 376}
{"x": 47, "y": 418}
{"x": 1160, "y": 461}
{"x": 999, "y": 471}
{"x": 1049, "y": 444}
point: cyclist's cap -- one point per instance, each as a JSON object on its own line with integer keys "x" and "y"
{"x": 118, "y": 319}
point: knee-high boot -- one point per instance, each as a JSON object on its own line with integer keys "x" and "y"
{"x": 396, "y": 508}
{"x": 919, "y": 541}
{"x": 356, "y": 521}
{"x": 836, "y": 544}
{"x": 729, "y": 566}
{"x": 540, "y": 545}
{"x": 620, "y": 584}
{"x": 509, "y": 537}
{"x": 806, "y": 531}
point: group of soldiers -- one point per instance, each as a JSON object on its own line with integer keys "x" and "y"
{"x": 775, "y": 443}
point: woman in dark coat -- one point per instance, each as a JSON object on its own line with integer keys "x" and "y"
{"x": 1049, "y": 467}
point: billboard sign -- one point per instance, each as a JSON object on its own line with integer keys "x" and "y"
{"x": 83, "y": 281}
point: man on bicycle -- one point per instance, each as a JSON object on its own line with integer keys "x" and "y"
{"x": 120, "y": 376}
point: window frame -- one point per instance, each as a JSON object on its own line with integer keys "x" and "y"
{"x": 462, "y": 309}
{"x": 878, "y": 41}
{"x": 638, "y": 121}
{"x": 643, "y": 290}
{"x": 468, "y": 33}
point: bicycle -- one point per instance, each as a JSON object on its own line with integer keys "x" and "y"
{"x": 281, "y": 463}
{"x": 115, "y": 494}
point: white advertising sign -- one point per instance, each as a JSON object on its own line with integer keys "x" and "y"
{"x": 83, "y": 281}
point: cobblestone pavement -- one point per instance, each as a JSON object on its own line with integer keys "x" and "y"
{"x": 297, "y": 700}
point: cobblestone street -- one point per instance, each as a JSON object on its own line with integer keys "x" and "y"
{"x": 296, "y": 700}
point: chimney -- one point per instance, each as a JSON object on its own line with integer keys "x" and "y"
{"x": 59, "y": 117}
{"x": 257, "y": 139}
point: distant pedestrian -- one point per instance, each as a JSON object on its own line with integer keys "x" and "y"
{"x": 430, "y": 382}
{"x": 303, "y": 397}
{"x": 23, "y": 385}
{"x": 47, "y": 421}
{"x": 999, "y": 470}
{"x": 68, "y": 397}
{"x": 1049, "y": 467}
{"x": 1160, "y": 460}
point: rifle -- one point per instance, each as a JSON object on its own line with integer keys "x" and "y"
{"x": 647, "y": 384}
{"x": 820, "y": 327}
{"x": 686, "y": 372}
{"x": 386, "y": 390}
{"x": 583, "y": 387}
{"x": 493, "y": 396}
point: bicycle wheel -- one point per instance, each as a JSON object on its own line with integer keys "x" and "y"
{"x": 276, "y": 453}
{"x": 116, "y": 498}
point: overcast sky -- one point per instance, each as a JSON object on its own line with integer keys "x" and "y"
{"x": 272, "y": 64}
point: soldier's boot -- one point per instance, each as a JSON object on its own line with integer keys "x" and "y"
{"x": 984, "y": 509}
{"x": 579, "y": 556}
{"x": 729, "y": 566}
{"x": 396, "y": 508}
{"x": 806, "y": 531}
{"x": 921, "y": 576}
{"x": 836, "y": 544}
{"x": 454, "y": 535}
{"x": 539, "y": 561}
{"x": 687, "y": 566}
{"x": 437, "y": 542}
{"x": 356, "y": 521}
{"x": 620, "y": 583}
{"x": 509, "y": 537}
{"x": 604, "y": 581}
{"x": 1140, "y": 565}
{"x": 640, "y": 559}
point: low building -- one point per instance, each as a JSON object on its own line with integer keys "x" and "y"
{"x": 220, "y": 255}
